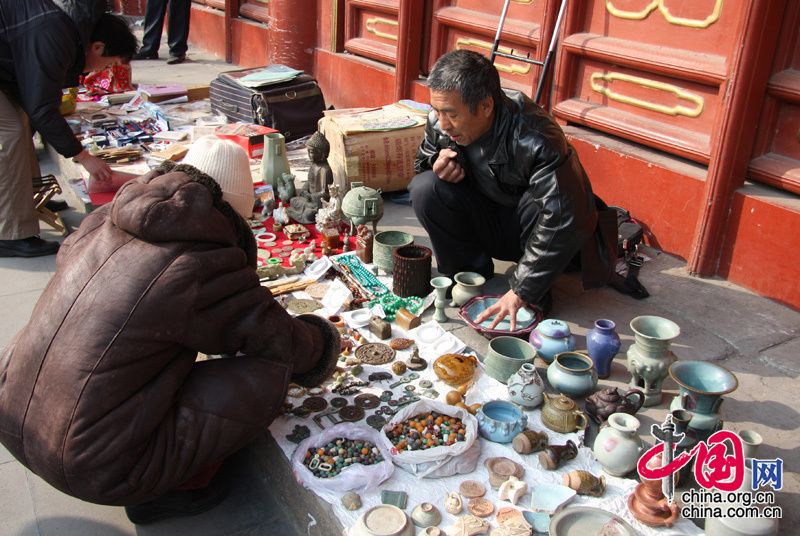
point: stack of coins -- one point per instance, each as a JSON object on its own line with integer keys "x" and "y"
{"x": 329, "y": 460}
{"x": 427, "y": 431}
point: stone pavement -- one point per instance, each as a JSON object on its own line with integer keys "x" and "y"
{"x": 757, "y": 339}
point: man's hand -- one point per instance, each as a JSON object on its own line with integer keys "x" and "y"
{"x": 99, "y": 170}
{"x": 447, "y": 168}
{"x": 507, "y": 305}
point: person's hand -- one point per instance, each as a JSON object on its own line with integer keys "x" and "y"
{"x": 447, "y": 168}
{"x": 99, "y": 170}
{"x": 507, "y": 305}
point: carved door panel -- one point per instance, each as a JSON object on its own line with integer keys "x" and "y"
{"x": 776, "y": 159}
{"x": 371, "y": 29}
{"x": 649, "y": 71}
{"x": 472, "y": 25}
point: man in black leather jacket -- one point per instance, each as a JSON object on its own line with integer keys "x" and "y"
{"x": 498, "y": 179}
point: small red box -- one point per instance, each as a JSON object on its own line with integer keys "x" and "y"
{"x": 249, "y": 136}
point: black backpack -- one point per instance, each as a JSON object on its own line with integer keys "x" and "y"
{"x": 626, "y": 277}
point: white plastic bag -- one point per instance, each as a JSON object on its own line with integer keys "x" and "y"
{"x": 459, "y": 458}
{"x": 354, "y": 477}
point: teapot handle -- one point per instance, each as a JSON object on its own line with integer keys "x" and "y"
{"x": 639, "y": 399}
{"x": 584, "y": 422}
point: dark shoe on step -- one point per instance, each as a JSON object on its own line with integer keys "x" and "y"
{"x": 142, "y": 55}
{"x": 56, "y": 206}
{"x": 28, "y": 247}
{"x": 172, "y": 60}
{"x": 178, "y": 504}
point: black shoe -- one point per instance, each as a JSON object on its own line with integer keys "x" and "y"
{"x": 178, "y": 504}
{"x": 28, "y": 247}
{"x": 172, "y": 60}
{"x": 56, "y": 206}
{"x": 142, "y": 55}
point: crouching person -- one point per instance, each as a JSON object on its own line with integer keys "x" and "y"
{"x": 101, "y": 394}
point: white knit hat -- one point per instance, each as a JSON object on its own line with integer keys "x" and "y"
{"x": 226, "y": 163}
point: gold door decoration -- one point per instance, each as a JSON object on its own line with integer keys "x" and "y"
{"x": 462, "y": 42}
{"x": 665, "y": 12}
{"x": 681, "y": 93}
{"x": 524, "y": 2}
{"x": 374, "y": 21}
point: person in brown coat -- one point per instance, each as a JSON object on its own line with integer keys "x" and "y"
{"x": 101, "y": 394}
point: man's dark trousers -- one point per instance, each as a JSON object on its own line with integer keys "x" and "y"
{"x": 466, "y": 228}
{"x": 177, "y": 26}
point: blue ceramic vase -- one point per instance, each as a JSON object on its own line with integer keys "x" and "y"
{"x": 603, "y": 345}
{"x": 551, "y": 337}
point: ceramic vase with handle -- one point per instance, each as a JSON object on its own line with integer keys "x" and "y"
{"x": 525, "y": 387}
{"x": 618, "y": 446}
{"x": 274, "y": 162}
{"x": 603, "y": 344}
{"x": 649, "y": 357}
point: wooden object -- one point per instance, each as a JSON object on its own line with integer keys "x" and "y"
{"x": 406, "y": 320}
{"x": 44, "y": 188}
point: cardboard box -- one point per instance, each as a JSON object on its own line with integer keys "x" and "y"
{"x": 249, "y": 136}
{"x": 376, "y": 147}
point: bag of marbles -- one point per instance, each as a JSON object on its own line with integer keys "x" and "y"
{"x": 345, "y": 457}
{"x": 431, "y": 439}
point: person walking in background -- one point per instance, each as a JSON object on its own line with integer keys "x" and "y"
{"x": 177, "y": 30}
{"x": 44, "y": 46}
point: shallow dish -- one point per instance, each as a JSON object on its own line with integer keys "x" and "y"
{"x": 429, "y": 333}
{"x": 359, "y": 317}
{"x": 583, "y": 520}
{"x": 383, "y": 520}
{"x": 525, "y": 322}
{"x": 550, "y": 498}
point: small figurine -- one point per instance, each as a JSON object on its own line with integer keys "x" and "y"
{"x": 329, "y": 216}
{"x": 309, "y": 253}
{"x": 279, "y": 217}
{"x": 364, "y": 240}
{"x": 320, "y": 175}
{"x": 346, "y": 246}
{"x": 286, "y": 189}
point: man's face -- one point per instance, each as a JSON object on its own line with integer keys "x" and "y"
{"x": 95, "y": 61}
{"x": 457, "y": 120}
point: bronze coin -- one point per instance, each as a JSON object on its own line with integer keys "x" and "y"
{"x": 471, "y": 489}
{"x": 351, "y": 413}
{"x": 480, "y": 507}
{"x": 315, "y": 403}
{"x": 338, "y": 402}
{"x": 367, "y": 401}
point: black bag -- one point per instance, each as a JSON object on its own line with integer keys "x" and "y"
{"x": 626, "y": 277}
{"x": 293, "y": 108}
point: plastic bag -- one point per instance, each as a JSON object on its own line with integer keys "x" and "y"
{"x": 459, "y": 458}
{"x": 354, "y": 477}
{"x": 113, "y": 79}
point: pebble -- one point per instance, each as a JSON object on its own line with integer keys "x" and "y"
{"x": 426, "y": 431}
{"x": 340, "y": 453}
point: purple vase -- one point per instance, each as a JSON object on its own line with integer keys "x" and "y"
{"x": 603, "y": 344}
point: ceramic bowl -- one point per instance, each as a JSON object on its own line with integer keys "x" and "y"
{"x": 550, "y": 498}
{"x": 583, "y": 520}
{"x": 525, "y": 322}
{"x": 360, "y": 317}
{"x": 572, "y": 374}
{"x": 500, "y": 421}
{"x": 506, "y": 355}
{"x": 429, "y": 333}
{"x": 383, "y": 520}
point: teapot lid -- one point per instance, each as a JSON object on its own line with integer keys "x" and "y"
{"x": 552, "y": 327}
{"x": 564, "y": 403}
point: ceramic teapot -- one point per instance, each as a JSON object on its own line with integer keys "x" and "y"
{"x": 602, "y": 404}
{"x": 561, "y": 414}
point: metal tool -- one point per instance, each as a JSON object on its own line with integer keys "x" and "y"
{"x": 666, "y": 433}
{"x": 405, "y": 379}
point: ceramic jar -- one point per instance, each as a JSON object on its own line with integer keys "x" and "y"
{"x": 525, "y": 387}
{"x": 468, "y": 285}
{"x": 572, "y": 374}
{"x": 603, "y": 344}
{"x": 383, "y": 246}
{"x": 649, "y": 356}
{"x": 500, "y": 421}
{"x": 506, "y": 355}
{"x": 274, "y": 162}
{"x": 551, "y": 337}
{"x": 561, "y": 414}
{"x": 618, "y": 446}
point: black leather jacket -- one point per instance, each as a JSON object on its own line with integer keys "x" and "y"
{"x": 529, "y": 159}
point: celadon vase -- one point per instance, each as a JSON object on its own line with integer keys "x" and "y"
{"x": 440, "y": 285}
{"x": 618, "y": 446}
{"x": 525, "y": 387}
{"x": 649, "y": 357}
{"x": 274, "y": 161}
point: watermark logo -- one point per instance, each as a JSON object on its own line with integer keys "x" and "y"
{"x": 719, "y": 470}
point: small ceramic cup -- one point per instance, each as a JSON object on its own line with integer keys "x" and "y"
{"x": 751, "y": 440}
